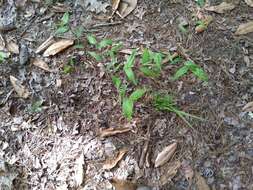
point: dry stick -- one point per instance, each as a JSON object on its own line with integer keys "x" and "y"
{"x": 145, "y": 148}
{"x": 106, "y": 24}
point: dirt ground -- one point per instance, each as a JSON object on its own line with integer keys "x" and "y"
{"x": 58, "y": 146}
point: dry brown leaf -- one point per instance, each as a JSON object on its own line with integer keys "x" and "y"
{"x": 244, "y": 28}
{"x": 166, "y": 154}
{"x": 201, "y": 182}
{"x": 249, "y": 2}
{"x": 111, "y": 163}
{"x": 45, "y": 44}
{"x": 12, "y": 47}
{"x": 126, "y": 7}
{"x": 58, "y": 47}
{"x": 41, "y": 64}
{"x": 113, "y": 131}
{"x": 171, "y": 172}
{"x": 19, "y": 88}
{"x": 248, "y": 107}
{"x": 123, "y": 184}
{"x": 221, "y": 8}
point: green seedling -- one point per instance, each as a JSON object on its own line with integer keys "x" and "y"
{"x": 63, "y": 26}
{"x": 128, "y": 102}
{"x": 166, "y": 103}
{"x": 3, "y": 56}
{"x": 36, "y": 107}
{"x": 151, "y": 63}
{"x": 78, "y": 32}
{"x": 69, "y": 67}
{"x": 128, "y": 67}
{"x": 182, "y": 28}
{"x": 174, "y": 60}
{"x": 112, "y": 53}
{"x": 200, "y": 3}
{"x": 194, "y": 68}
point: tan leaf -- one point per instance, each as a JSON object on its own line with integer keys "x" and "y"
{"x": 249, "y": 2}
{"x": 201, "y": 182}
{"x": 126, "y": 7}
{"x": 248, "y": 107}
{"x": 123, "y": 184}
{"x": 19, "y": 88}
{"x": 58, "y": 47}
{"x": 12, "y": 47}
{"x": 111, "y": 163}
{"x": 165, "y": 155}
{"x": 115, "y": 5}
{"x": 221, "y": 8}
{"x": 41, "y": 64}
{"x": 245, "y": 28}
{"x": 171, "y": 172}
{"x": 45, "y": 44}
{"x": 113, "y": 131}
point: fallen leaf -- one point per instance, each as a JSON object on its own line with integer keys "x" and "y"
{"x": 12, "y": 47}
{"x": 248, "y": 107}
{"x": 58, "y": 47}
{"x": 45, "y": 44}
{"x": 165, "y": 155}
{"x": 126, "y": 7}
{"x": 111, "y": 163}
{"x": 123, "y": 184}
{"x": 172, "y": 170}
{"x": 245, "y": 28}
{"x": 201, "y": 182}
{"x": 113, "y": 131}
{"x": 20, "y": 89}
{"x": 221, "y": 8}
{"x": 249, "y": 2}
{"x": 115, "y": 5}
{"x": 41, "y": 64}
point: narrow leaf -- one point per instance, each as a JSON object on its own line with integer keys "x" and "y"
{"x": 95, "y": 55}
{"x": 145, "y": 57}
{"x": 62, "y": 30}
{"x": 91, "y": 39}
{"x": 104, "y": 43}
{"x": 127, "y": 108}
{"x": 116, "y": 81}
{"x": 130, "y": 74}
{"x": 137, "y": 94}
{"x": 65, "y": 19}
{"x": 130, "y": 59}
{"x": 181, "y": 72}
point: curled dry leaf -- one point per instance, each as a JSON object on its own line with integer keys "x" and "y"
{"x": 45, "y": 44}
{"x": 113, "y": 131}
{"x": 111, "y": 163}
{"x": 126, "y": 7}
{"x": 221, "y": 8}
{"x": 41, "y": 64}
{"x": 248, "y": 107}
{"x": 249, "y": 2}
{"x": 165, "y": 155}
{"x": 201, "y": 182}
{"x": 19, "y": 88}
{"x": 172, "y": 170}
{"x": 58, "y": 47}
{"x": 245, "y": 28}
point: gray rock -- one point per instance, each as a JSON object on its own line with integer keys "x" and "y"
{"x": 8, "y": 16}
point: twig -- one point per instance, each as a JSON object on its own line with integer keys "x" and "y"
{"x": 106, "y": 24}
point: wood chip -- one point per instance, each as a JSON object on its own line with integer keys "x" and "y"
{"x": 221, "y": 8}
{"x": 19, "y": 88}
{"x": 41, "y": 64}
{"x": 126, "y": 7}
{"x": 58, "y": 47}
{"x": 245, "y": 28}
{"x": 201, "y": 182}
{"x": 111, "y": 163}
{"x": 45, "y": 44}
{"x": 165, "y": 155}
{"x": 248, "y": 107}
{"x": 113, "y": 131}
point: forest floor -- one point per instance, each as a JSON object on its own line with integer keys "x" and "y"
{"x": 61, "y": 120}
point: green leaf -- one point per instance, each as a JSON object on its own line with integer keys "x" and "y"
{"x": 181, "y": 72}
{"x": 116, "y": 47}
{"x": 176, "y": 60}
{"x": 62, "y": 30}
{"x": 78, "y": 32}
{"x": 137, "y": 94}
{"x": 67, "y": 69}
{"x": 182, "y": 28}
{"x": 149, "y": 72}
{"x": 91, "y": 39}
{"x": 2, "y": 56}
{"x": 104, "y": 43}
{"x": 130, "y": 74}
{"x": 116, "y": 81}
{"x": 36, "y": 106}
{"x": 95, "y": 55}
{"x": 200, "y": 73}
{"x": 79, "y": 46}
{"x": 145, "y": 57}
{"x": 127, "y": 108}
{"x": 200, "y": 3}
{"x": 65, "y": 19}
{"x": 158, "y": 60}
{"x": 131, "y": 59}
